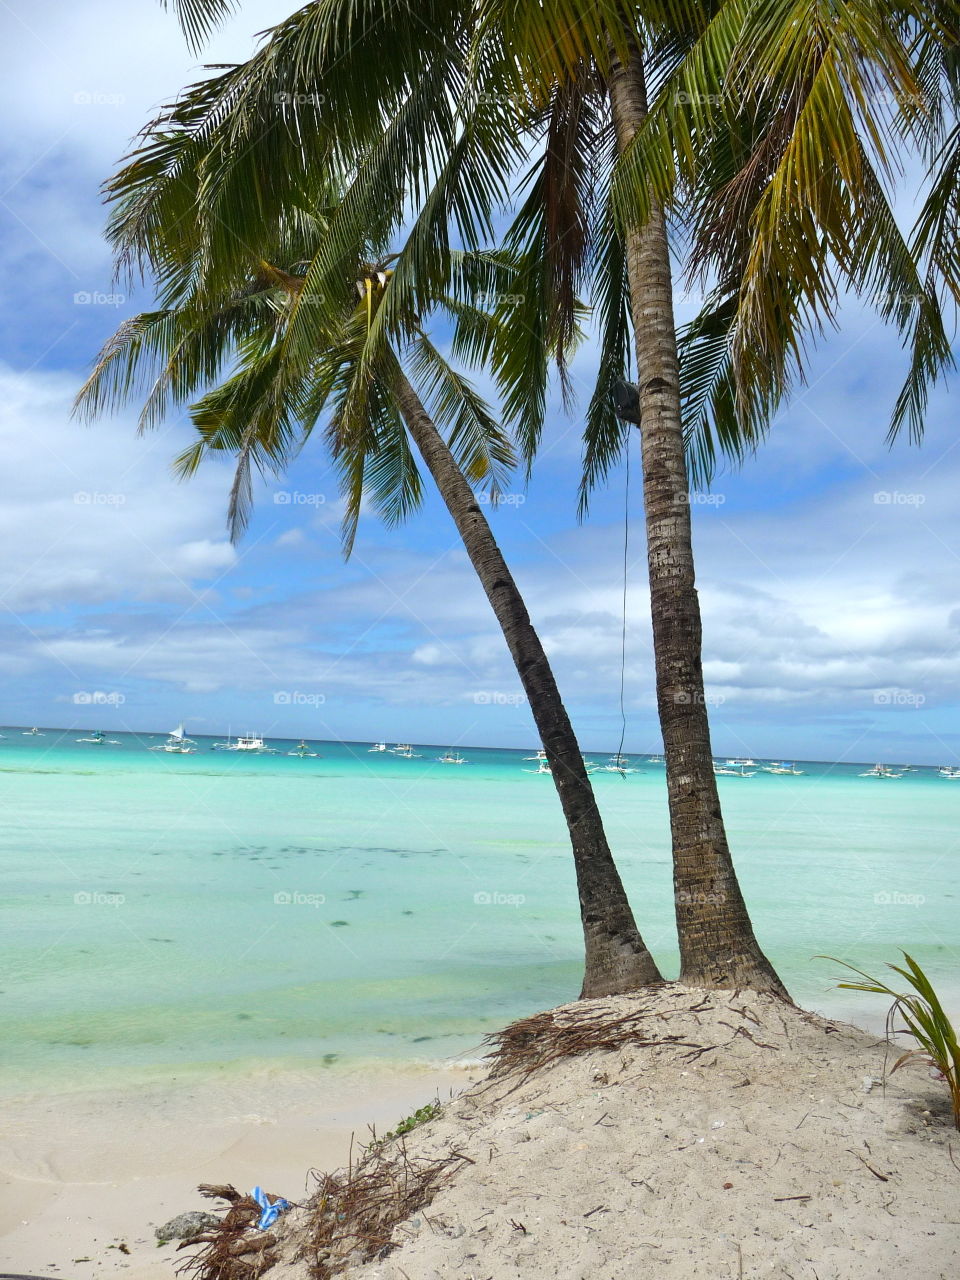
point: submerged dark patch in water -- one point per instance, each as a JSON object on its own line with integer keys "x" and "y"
{"x": 338, "y": 924}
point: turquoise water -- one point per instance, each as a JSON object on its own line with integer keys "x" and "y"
{"x": 164, "y": 911}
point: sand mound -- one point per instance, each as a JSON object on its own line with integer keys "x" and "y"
{"x": 716, "y": 1135}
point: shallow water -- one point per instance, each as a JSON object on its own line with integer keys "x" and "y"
{"x": 191, "y": 913}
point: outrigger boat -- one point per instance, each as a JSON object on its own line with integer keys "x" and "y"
{"x": 539, "y": 758}
{"x": 618, "y": 764}
{"x": 777, "y": 766}
{"x": 378, "y": 746}
{"x": 542, "y": 767}
{"x": 177, "y": 743}
{"x": 303, "y": 751}
{"x": 723, "y": 772}
{"x": 881, "y": 771}
{"x": 99, "y": 739}
{"x": 34, "y": 733}
{"x": 450, "y": 757}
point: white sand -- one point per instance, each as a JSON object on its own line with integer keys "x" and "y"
{"x": 774, "y": 1156}
{"x": 85, "y": 1171}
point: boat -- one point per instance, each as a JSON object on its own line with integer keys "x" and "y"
{"x": 378, "y": 746}
{"x": 722, "y": 771}
{"x": 400, "y": 749}
{"x": 618, "y": 764}
{"x": 881, "y": 771}
{"x": 176, "y": 743}
{"x": 542, "y": 767}
{"x": 99, "y": 739}
{"x": 539, "y": 758}
{"x": 949, "y": 771}
{"x": 303, "y": 751}
{"x": 34, "y": 733}
{"x": 742, "y": 763}
{"x": 246, "y": 742}
{"x": 778, "y": 767}
{"x": 450, "y": 757}
{"x": 406, "y": 753}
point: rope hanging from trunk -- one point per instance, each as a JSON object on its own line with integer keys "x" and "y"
{"x": 623, "y": 631}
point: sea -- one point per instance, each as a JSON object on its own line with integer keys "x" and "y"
{"x": 167, "y": 913}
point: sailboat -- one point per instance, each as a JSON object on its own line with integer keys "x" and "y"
{"x": 176, "y": 743}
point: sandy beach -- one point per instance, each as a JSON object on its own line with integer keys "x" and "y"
{"x": 86, "y": 1171}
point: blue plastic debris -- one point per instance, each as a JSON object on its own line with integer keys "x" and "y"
{"x": 271, "y": 1210}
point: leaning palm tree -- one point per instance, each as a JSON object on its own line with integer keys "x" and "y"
{"x": 227, "y": 343}
{"x": 771, "y": 131}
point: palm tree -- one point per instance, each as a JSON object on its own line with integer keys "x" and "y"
{"x": 770, "y": 138}
{"x": 277, "y": 390}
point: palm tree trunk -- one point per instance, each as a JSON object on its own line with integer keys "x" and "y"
{"x": 616, "y": 958}
{"x": 717, "y": 944}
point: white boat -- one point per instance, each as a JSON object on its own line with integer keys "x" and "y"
{"x": 450, "y": 757}
{"x": 743, "y": 763}
{"x": 407, "y": 753}
{"x": 303, "y": 751}
{"x": 778, "y": 767}
{"x": 251, "y": 742}
{"x": 177, "y": 743}
{"x": 99, "y": 739}
{"x": 881, "y": 771}
{"x": 656, "y": 760}
{"x": 542, "y": 767}
{"x": 401, "y": 749}
{"x": 949, "y": 771}
{"x": 378, "y": 746}
{"x": 33, "y": 733}
{"x": 722, "y": 771}
{"x": 540, "y": 757}
{"x": 618, "y": 764}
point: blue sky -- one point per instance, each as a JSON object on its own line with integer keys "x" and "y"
{"x": 827, "y": 567}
